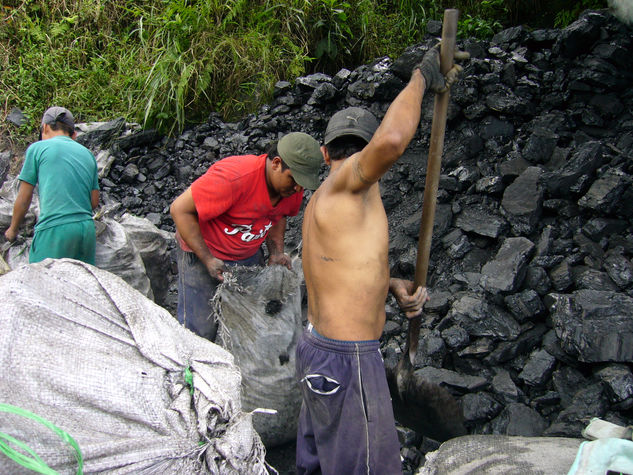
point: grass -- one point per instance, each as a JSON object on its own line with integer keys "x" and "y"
{"x": 168, "y": 63}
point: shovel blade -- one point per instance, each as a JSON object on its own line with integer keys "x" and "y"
{"x": 425, "y": 407}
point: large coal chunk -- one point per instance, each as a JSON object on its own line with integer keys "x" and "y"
{"x": 620, "y": 269}
{"x": 139, "y": 139}
{"x": 596, "y": 326}
{"x": 506, "y": 102}
{"x": 481, "y": 318}
{"x": 540, "y": 146}
{"x": 450, "y": 379}
{"x": 508, "y": 350}
{"x": 506, "y": 272}
{"x": 577, "y": 38}
{"x": 479, "y": 407}
{"x": 584, "y": 162}
{"x": 609, "y": 192}
{"x": 519, "y": 419}
{"x": 538, "y": 368}
{"x": 590, "y": 401}
{"x": 481, "y": 220}
{"x": 618, "y": 380}
{"x": 102, "y": 136}
{"x": 522, "y": 201}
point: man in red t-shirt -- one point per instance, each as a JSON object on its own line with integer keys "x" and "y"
{"x": 223, "y": 218}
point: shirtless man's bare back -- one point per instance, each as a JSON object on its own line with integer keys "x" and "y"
{"x": 345, "y": 234}
{"x": 346, "y": 423}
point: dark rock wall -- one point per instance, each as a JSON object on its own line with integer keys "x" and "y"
{"x": 531, "y": 271}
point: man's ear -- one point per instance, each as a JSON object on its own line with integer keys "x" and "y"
{"x": 326, "y": 155}
{"x": 46, "y": 130}
{"x": 276, "y": 163}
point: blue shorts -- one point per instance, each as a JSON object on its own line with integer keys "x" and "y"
{"x": 196, "y": 288}
{"x": 346, "y": 423}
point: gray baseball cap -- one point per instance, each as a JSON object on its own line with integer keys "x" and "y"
{"x": 351, "y": 121}
{"x": 58, "y": 114}
{"x": 302, "y": 154}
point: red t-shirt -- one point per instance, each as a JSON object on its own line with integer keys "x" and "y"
{"x": 234, "y": 209}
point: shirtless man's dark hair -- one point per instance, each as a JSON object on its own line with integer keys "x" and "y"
{"x": 346, "y": 423}
{"x": 344, "y": 147}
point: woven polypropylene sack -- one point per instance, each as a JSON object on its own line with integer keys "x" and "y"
{"x": 259, "y": 310}
{"x": 153, "y": 246}
{"x": 8, "y": 194}
{"x": 117, "y": 253}
{"x": 85, "y": 351}
{"x": 502, "y": 455}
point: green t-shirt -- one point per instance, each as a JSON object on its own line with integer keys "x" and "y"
{"x": 66, "y": 173}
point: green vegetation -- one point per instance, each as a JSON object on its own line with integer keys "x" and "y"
{"x": 568, "y": 15}
{"x": 485, "y": 21}
{"x": 166, "y": 63}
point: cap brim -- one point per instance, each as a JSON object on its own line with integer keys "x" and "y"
{"x": 308, "y": 182}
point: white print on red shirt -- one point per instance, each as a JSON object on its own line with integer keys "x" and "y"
{"x": 245, "y": 229}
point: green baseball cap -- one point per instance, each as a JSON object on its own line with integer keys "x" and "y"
{"x": 302, "y": 154}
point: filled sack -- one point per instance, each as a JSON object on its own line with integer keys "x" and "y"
{"x": 260, "y": 321}
{"x": 139, "y": 393}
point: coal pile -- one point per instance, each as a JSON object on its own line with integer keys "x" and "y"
{"x": 530, "y": 323}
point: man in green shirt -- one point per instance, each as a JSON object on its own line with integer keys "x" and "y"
{"x": 67, "y": 176}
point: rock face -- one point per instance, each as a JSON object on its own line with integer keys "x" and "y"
{"x": 531, "y": 272}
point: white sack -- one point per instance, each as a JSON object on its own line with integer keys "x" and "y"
{"x": 8, "y": 193}
{"x": 117, "y": 253}
{"x": 84, "y": 350}
{"x": 502, "y": 455}
{"x": 152, "y": 244}
{"x": 260, "y": 323}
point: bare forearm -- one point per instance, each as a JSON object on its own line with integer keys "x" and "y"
{"x": 94, "y": 198}
{"x": 183, "y": 212}
{"x": 275, "y": 238}
{"x": 189, "y": 230}
{"x": 185, "y": 215}
{"x": 19, "y": 212}
{"x": 275, "y": 244}
{"x": 21, "y": 206}
{"x": 394, "y": 133}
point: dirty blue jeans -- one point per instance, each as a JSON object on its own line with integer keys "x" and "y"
{"x": 346, "y": 423}
{"x": 195, "y": 290}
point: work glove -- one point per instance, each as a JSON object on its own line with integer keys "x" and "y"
{"x": 430, "y": 69}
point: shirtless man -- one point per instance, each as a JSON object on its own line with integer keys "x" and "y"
{"x": 346, "y": 423}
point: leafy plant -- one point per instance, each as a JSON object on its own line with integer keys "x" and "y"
{"x": 330, "y": 32}
{"x": 485, "y": 23}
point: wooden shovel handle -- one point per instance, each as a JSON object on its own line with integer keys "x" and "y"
{"x": 438, "y": 128}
